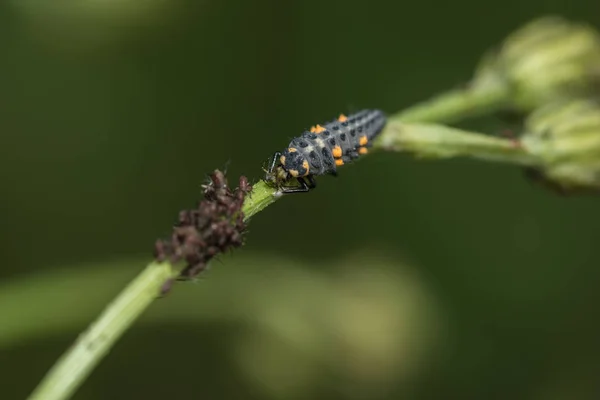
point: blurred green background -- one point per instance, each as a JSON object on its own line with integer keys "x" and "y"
{"x": 400, "y": 279}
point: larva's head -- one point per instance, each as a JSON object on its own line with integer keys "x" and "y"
{"x": 294, "y": 163}
{"x": 289, "y": 164}
{"x": 275, "y": 176}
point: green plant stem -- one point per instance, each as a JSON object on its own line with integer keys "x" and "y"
{"x": 76, "y": 364}
{"x": 458, "y": 104}
{"x": 262, "y": 196}
{"x": 71, "y": 370}
{"x": 438, "y": 141}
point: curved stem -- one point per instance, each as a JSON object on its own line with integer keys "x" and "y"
{"x": 91, "y": 346}
{"x": 438, "y": 141}
{"x": 458, "y": 104}
{"x": 70, "y": 371}
{"x": 76, "y": 364}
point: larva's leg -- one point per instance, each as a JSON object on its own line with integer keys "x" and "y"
{"x": 303, "y": 188}
{"x": 273, "y": 161}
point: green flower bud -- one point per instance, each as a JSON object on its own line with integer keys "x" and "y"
{"x": 546, "y": 59}
{"x": 565, "y": 137}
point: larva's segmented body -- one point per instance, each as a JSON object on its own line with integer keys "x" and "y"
{"x": 324, "y": 148}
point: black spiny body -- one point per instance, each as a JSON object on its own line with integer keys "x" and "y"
{"x": 324, "y": 148}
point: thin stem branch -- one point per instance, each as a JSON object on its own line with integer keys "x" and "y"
{"x": 438, "y": 141}
{"x": 458, "y": 104}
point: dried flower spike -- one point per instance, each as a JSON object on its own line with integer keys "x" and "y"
{"x": 215, "y": 226}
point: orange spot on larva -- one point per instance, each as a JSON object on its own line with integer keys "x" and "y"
{"x": 292, "y": 150}
{"x": 318, "y": 129}
{"x": 342, "y": 118}
{"x": 363, "y": 140}
{"x": 313, "y": 129}
{"x": 306, "y": 167}
{"x": 282, "y": 160}
{"x": 336, "y": 152}
{"x": 362, "y": 150}
{"x": 339, "y": 162}
{"x": 293, "y": 172}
